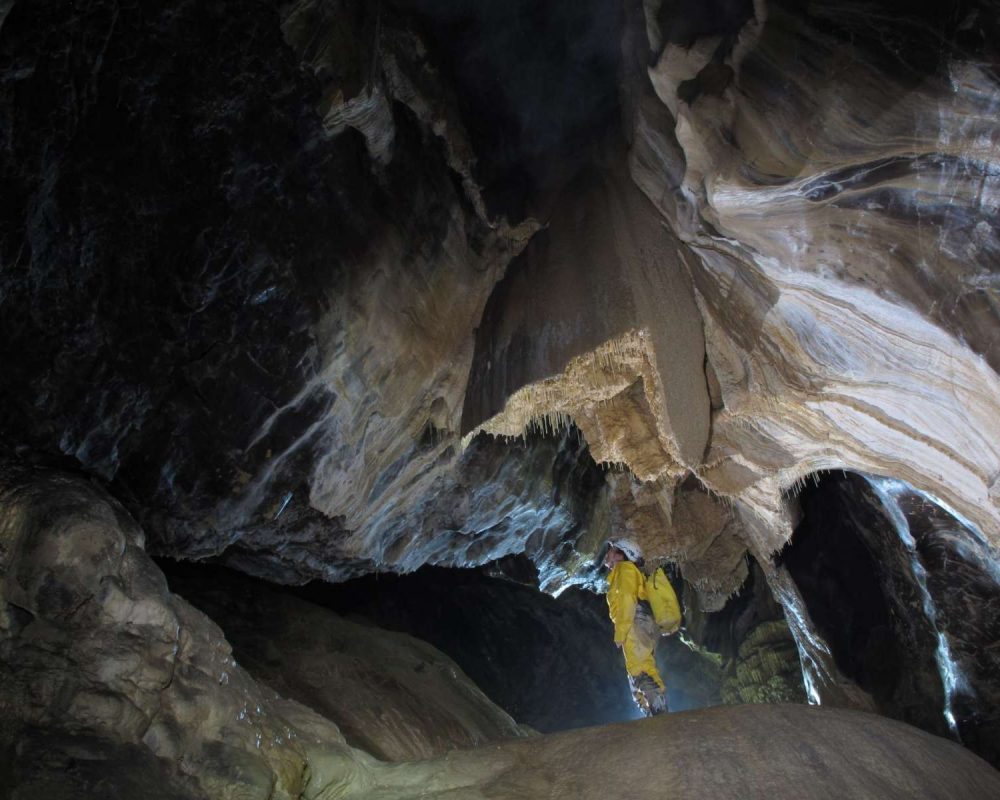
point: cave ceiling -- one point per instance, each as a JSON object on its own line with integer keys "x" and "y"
{"x": 326, "y": 288}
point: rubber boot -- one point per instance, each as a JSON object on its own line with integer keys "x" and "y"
{"x": 648, "y": 695}
{"x": 639, "y": 696}
{"x": 658, "y": 705}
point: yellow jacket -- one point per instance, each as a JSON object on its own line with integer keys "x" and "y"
{"x": 626, "y": 587}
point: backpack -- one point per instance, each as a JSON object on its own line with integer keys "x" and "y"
{"x": 663, "y": 600}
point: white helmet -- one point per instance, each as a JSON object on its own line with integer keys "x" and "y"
{"x": 628, "y": 547}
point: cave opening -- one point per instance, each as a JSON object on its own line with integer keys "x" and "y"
{"x": 547, "y": 660}
{"x": 838, "y": 571}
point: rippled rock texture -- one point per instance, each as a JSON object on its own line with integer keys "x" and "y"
{"x": 829, "y": 176}
{"x": 844, "y": 222}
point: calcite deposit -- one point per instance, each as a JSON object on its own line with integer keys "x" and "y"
{"x": 324, "y": 288}
{"x": 845, "y": 241}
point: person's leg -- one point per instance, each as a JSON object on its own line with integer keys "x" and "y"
{"x": 638, "y": 695}
{"x": 639, "y": 658}
{"x": 640, "y": 662}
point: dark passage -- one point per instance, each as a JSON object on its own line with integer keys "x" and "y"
{"x": 548, "y": 662}
{"x": 904, "y": 624}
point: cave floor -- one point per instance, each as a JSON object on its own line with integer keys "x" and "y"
{"x": 764, "y": 751}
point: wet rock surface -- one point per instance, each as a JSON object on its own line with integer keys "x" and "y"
{"x": 393, "y": 696}
{"x": 964, "y": 585}
{"x": 255, "y": 276}
{"x": 876, "y": 563}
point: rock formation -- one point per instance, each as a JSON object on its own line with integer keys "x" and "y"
{"x": 98, "y": 657}
{"x": 390, "y": 695}
{"x": 113, "y": 684}
{"x": 327, "y": 288}
{"x": 879, "y": 568}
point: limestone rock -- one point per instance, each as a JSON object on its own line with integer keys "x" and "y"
{"x": 249, "y": 407}
{"x": 905, "y": 595}
{"x": 99, "y": 661}
{"x": 391, "y": 695}
{"x": 252, "y": 275}
{"x": 777, "y": 751}
{"x": 825, "y": 249}
{"x": 596, "y": 322}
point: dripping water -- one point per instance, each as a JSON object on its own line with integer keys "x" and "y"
{"x": 889, "y": 491}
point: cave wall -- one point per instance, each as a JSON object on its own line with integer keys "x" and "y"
{"x": 757, "y": 656}
{"x": 113, "y": 684}
{"x": 102, "y": 664}
{"x": 963, "y": 584}
{"x": 393, "y": 696}
{"x": 595, "y": 321}
{"x": 109, "y": 681}
{"x": 904, "y": 594}
{"x": 255, "y": 277}
{"x": 834, "y": 174}
{"x": 212, "y": 217}
{"x": 859, "y": 586}
{"x": 548, "y": 662}
{"x": 166, "y": 329}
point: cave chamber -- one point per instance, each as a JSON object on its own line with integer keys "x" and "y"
{"x": 337, "y": 339}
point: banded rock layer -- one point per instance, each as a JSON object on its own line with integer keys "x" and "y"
{"x": 256, "y": 275}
